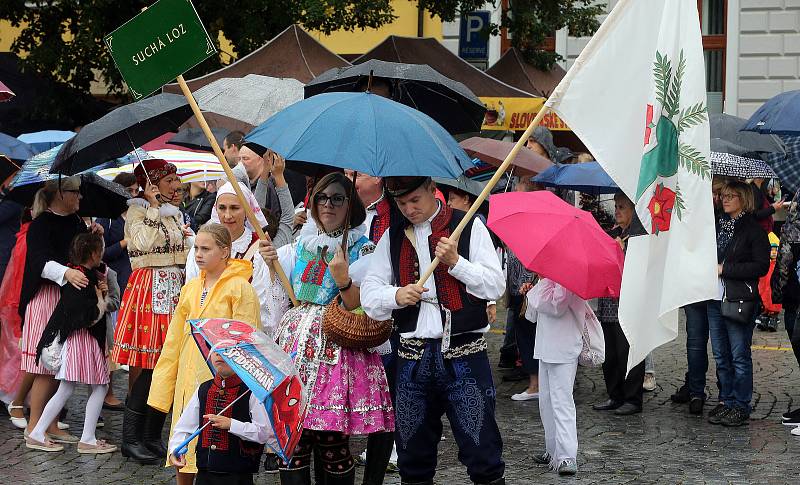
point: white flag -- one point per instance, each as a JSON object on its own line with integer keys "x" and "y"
{"x": 636, "y": 97}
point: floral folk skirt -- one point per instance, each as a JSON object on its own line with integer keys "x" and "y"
{"x": 144, "y": 315}
{"x": 347, "y": 389}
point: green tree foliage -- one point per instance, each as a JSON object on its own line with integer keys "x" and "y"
{"x": 62, "y": 39}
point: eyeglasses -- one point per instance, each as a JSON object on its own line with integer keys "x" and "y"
{"x": 730, "y": 196}
{"x": 336, "y": 200}
{"x": 71, "y": 190}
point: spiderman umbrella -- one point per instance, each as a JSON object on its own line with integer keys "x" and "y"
{"x": 266, "y": 370}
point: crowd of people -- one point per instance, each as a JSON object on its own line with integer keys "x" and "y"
{"x": 83, "y": 298}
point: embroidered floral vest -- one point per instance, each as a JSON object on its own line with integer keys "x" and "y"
{"x": 311, "y": 280}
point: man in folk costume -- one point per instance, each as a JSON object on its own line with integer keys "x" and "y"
{"x": 442, "y": 363}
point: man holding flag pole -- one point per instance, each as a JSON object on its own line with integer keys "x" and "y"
{"x": 644, "y": 70}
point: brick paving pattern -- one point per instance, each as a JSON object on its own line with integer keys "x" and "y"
{"x": 664, "y": 444}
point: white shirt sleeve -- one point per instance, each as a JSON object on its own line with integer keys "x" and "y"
{"x": 187, "y": 423}
{"x": 482, "y": 273}
{"x": 192, "y": 270}
{"x": 377, "y": 291}
{"x": 55, "y": 272}
{"x": 258, "y": 429}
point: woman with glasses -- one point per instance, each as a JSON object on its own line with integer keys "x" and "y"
{"x": 742, "y": 258}
{"x": 348, "y": 391}
{"x": 55, "y": 224}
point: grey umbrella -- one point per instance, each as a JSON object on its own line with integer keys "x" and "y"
{"x": 727, "y": 127}
{"x": 120, "y": 131}
{"x": 420, "y": 86}
{"x": 250, "y": 99}
{"x": 195, "y": 139}
{"x": 462, "y": 183}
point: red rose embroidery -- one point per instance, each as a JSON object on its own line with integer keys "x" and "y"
{"x": 660, "y": 208}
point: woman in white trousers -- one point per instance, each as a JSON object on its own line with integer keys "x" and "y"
{"x": 558, "y": 315}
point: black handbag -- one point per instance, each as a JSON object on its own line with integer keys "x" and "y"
{"x": 738, "y": 311}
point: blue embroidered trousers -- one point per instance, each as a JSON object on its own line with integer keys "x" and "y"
{"x": 461, "y": 388}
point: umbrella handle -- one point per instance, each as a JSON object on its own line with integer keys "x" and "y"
{"x": 276, "y": 266}
{"x": 183, "y": 448}
{"x": 488, "y": 189}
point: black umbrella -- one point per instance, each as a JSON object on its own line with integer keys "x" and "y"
{"x": 100, "y": 197}
{"x": 727, "y": 128}
{"x": 449, "y": 102}
{"x": 195, "y": 139}
{"x": 120, "y": 131}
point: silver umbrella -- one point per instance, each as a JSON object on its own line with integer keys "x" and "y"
{"x": 251, "y": 99}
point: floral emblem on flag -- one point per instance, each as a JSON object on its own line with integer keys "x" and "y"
{"x": 658, "y": 196}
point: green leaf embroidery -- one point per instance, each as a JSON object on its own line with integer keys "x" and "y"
{"x": 672, "y": 106}
{"x": 693, "y": 161}
{"x": 662, "y": 71}
{"x": 692, "y": 116}
{"x": 679, "y": 206}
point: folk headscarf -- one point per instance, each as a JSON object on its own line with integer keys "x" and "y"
{"x": 156, "y": 169}
{"x": 251, "y": 201}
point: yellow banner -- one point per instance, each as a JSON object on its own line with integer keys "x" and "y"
{"x": 517, "y": 113}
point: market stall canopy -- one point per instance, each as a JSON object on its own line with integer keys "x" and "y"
{"x": 292, "y": 53}
{"x": 507, "y": 107}
{"x": 514, "y": 70}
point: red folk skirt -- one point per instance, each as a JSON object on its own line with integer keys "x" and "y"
{"x": 144, "y": 315}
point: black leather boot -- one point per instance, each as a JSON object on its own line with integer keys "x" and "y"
{"x": 347, "y": 478}
{"x": 301, "y": 476}
{"x": 379, "y": 450}
{"x": 154, "y": 425}
{"x": 132, "y": 443}
{"x": 499, "y": 481}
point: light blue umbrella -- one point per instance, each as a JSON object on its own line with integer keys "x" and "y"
{"x": 45, "y": 140}
{"x": 588, "y": 177}
{"x": 362, "y": 132}
{"x": 15, "y": 149}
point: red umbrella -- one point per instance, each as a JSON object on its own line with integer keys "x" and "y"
{"x": 558, "y": 241}
{"x": 494, "y": 152}
{"x": 5, "y": 93}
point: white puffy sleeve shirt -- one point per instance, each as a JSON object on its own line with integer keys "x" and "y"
{"x": 481, "y": 274}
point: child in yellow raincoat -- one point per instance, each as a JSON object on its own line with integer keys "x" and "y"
{"x": 222, "y": 290}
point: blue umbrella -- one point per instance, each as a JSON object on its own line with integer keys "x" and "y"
{"x": 45, "y": 140}
{"x": 588, "y": 177}
{"x": 362, "y": 132}
{"x": 15, "y": 149}
{"x": 780, "y": 115}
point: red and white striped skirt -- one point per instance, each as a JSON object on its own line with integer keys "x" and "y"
{"x": 38, "y": 313}
{"x": 82, "y": 360}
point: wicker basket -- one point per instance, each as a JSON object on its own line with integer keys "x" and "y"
{"x": 353, "y": 331}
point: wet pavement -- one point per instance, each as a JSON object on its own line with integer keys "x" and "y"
{"x": 664, "y": 444}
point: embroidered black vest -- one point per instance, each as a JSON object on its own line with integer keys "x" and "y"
{"x": 218, "y": 450}
{"x": 468, "y": 313}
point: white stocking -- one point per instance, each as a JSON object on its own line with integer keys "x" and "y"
{"x": 52, "y": 410}
{"x": 93, "y": 407}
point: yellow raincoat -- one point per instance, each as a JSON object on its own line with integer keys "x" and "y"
{"x": 181, "y": 368}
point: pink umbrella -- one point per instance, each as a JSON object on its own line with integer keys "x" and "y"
{"x": 494, "y": 152}
{"x": 5, "y": 93}
{"x": 558, "y": 241}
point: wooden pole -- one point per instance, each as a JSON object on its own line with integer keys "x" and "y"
{"x": 276, "y": 267}
{"x": 488, "y": 189}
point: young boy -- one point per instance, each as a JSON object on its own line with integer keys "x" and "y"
{"x": 229, "y": 449}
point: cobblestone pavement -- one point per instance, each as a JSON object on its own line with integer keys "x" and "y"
{"x": 664, "y": 444}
